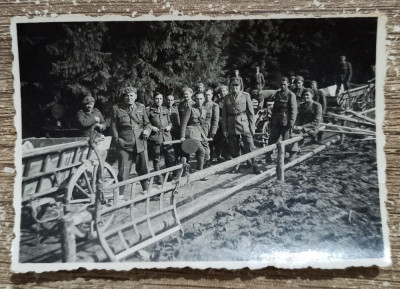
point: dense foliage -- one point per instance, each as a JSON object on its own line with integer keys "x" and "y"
{"x": 62, "y": 62}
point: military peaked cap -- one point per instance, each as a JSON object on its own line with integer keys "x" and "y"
{"x": 186, "y": 88}
{"x": 87, "y": 99}
{"x": 127, "y": 90}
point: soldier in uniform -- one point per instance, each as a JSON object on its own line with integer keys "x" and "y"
{"x": 161, "y": 126}
{"x": 292, "y": 80}
{"x": 238, "y": 77}
{"x": 258, "y": 80}
{"x": 130, "y": 127}
{"x": 186, "y": 102}
{"x": 238, "y": 121}
{"x": 344, "y": 71}
{"x": 319, "y": 96}
{"x": 196, "y": 124}
{"x": 309, "y": 115}
{"x": 200, "y": 87}
{"x": 220, "y": 142}
{"x": 176, "y": 124}
{"x": 299, "y": 89}
{"x": 284, "y": 114}
{"x": 89, "y": 116}
{"x": 210, "y": 104}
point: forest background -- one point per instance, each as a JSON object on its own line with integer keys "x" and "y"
{"x": 63, "y": 62}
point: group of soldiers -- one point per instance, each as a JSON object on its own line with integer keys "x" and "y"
{"x": 206, "y": 122}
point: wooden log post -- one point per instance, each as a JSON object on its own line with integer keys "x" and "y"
{"x": 68, "y": 243}
{"x": 280, "y": 164}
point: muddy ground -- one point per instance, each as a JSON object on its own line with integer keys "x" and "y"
{"x": 328, "y": 204}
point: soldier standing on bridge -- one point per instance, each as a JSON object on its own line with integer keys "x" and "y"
{"x": 238, "y": 77}
{"x": 344, "y": 72}
{"x": 161, "y": 126}
{"x": 130, "y": 127}
{"x": 284, "y": 114}
{"x": 238, "y": 122}
{"x": 258, "y": 80}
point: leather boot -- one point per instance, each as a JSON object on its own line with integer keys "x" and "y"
{"x": 145, "y": 185}
{"x": 292, "y": 156}
{"x": 158, "y": 180}
{"x": 256, "y": 170}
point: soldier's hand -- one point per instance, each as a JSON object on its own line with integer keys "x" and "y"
{"x": 182, "y": 138}
{"x": 154, "y": 128}
{"x": 101, "y": 126}
{"x": 97, "y": 118}
{"x": 168, "y": 128}
{"x": 145, "y": 134}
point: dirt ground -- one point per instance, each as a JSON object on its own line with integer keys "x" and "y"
{"x": 328, "y": 204}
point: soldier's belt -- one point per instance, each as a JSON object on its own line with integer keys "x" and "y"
{"x": 127, "y": 128}
{"x": 235, "y": 114}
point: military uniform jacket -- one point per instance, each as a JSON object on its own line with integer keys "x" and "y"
{"x": 128, "y": 126}
{"x": 183, "y": 105}
{"x": 310, "y": 115}
{"x": 160, "y": 118}
{"x": 299, "y": 92}
{"x": 344, "y": 72}
{"x": 238, "y": 114}
{"x": 284, "y": 111}
{"x": 196, "y": 122}
{"x": 175, "y": 120}
{"x": 319, "y": 97}
{"x": 214, "y": 117}
{"x": 259, "y": 81}
{"x": 87, "y": 119}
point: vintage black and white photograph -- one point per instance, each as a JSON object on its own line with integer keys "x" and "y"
{"x": 223, "y": 143}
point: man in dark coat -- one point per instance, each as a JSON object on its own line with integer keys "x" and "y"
{"x": 309, "y": 115}
{"x": 89, "y": 116}
{"x": 210, "y": 104}
{"x": 238, "y": 121}
{"x": 176, "y": 124}
{"x": 161, "y": 126}
{"x": 284, "y": 114}
{"x": 196, "y": 124}
{"x": 130, "y": 127}
{"x": 220, "y": 142}
{"x": 344, "y": 71}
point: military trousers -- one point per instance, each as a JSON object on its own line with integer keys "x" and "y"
{"x": 125, "y": 161}
{"x": 285, "y": 132}
{"x": 235, "y": 144}
{"x": 156, "y": 150}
